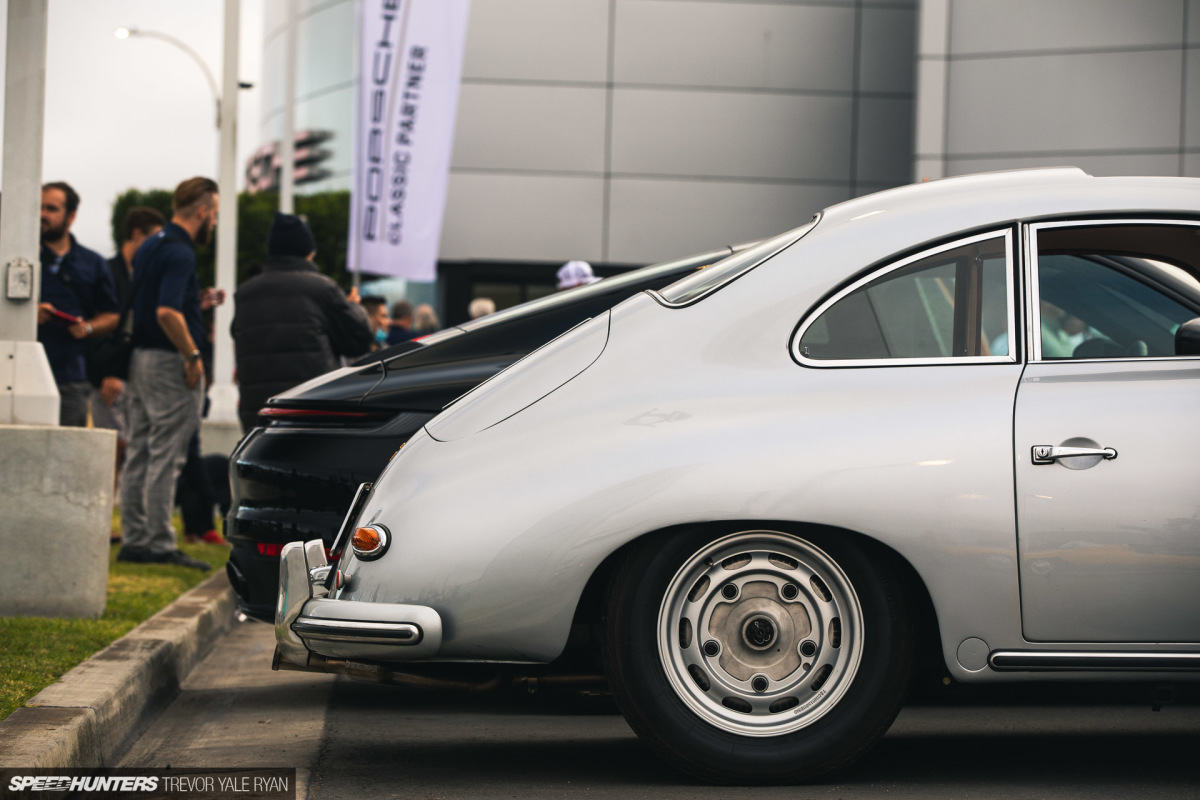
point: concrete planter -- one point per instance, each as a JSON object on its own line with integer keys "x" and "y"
{"x": 56, "y": 499}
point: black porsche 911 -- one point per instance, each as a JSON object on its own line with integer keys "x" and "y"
{"x": 294, "y": 477}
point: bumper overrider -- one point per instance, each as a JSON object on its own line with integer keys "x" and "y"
{"x": 311, "y": 627}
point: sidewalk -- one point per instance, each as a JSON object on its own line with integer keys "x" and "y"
{"x": 91, "y": 716}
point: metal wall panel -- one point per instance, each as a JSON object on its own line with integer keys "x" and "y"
{"x": 540, "y": 40}
{"x": 734, "y": 45}
{"x": 1093, "y": 164}
{"x": 885, "y": 140}
{"x": 1192, "y": 100}
{"x": 987, "y": 26}
{"x": 542, "y": 128}
{"x": 731, "y": 134}
{"x": 886, "y": 62}
{"x": 522, "y": 217}
{"x": 1040, "y": 104}
{"x": 319, "y": 37}
{"x": 653, "y": 220}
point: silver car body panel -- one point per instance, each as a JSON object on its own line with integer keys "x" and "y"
{"x": 1094, "y": 566}
{"x": 702, "y": 414}
{"x": 1110, "y": 549}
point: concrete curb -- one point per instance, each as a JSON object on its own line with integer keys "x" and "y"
{"x": 95, "y": 712}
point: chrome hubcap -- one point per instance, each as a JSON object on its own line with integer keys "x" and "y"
{"x": 760, "y": 633}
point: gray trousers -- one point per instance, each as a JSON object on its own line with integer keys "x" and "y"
{"x": 163, "y": 415}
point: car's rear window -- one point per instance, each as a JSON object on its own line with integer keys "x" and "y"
{"x": 708, "y": 280}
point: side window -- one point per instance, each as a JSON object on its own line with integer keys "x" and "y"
{"x": 950, "y": 303}
{"x": 1115, "y": 291}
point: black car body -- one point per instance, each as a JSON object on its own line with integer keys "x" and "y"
{"x": 295, "y": 477}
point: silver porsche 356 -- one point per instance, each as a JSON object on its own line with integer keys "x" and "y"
{"x": 954, "y": 417}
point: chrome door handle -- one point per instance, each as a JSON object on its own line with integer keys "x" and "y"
{"x": 1048, "y": 454}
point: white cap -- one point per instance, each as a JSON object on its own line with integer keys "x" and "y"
{"x": 575, "y": 273}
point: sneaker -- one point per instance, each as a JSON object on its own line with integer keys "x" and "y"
{"x": 134, "y": 555}
{"x": 212, "y": 537}
{"x": 179, "y": 558}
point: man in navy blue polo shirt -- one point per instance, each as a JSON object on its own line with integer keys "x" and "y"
{"x": 166, "y": 375}
{"x": 78, "y": 301}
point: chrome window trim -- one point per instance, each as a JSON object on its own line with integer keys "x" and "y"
{"x": 1033, "y": 310}
{"x": 839, "y": 363}
{"x": 804, "y": 231}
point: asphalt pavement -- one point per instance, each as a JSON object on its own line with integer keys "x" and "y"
{"x": 346, "y": 739}
{"x": 351, "y": 739}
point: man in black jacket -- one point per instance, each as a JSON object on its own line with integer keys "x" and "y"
{"x": 292, "y": 323}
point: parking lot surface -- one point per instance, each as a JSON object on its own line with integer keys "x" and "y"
{"x": 349, "y": 739}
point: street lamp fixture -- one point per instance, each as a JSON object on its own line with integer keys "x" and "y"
{"x": 126, "y": 33}
{"x": 224, "y": 393}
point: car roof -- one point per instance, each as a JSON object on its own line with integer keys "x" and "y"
{"x": 970, "y": 201}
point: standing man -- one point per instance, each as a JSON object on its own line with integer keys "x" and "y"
{"x": 109, "y": 405}
{"x": 399, "y": 326}
{"x": 78, "y": 301}
{"x": 377, "y": 313}
{"x": 292, "y": 323}
{"x": 166, "y": 375}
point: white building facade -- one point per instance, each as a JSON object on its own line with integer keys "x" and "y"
{"x": 629, "y": 131}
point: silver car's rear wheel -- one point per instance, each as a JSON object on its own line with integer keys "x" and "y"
{"x": 760, "y": 633}
{"x": 758, "y": 656}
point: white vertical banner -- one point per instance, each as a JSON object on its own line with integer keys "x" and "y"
{"x": 410, "y": 55}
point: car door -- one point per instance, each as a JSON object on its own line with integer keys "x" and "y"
{"x": 1109, "y": 531}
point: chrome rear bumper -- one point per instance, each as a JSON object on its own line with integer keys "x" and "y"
{"x": 308, "y": 621}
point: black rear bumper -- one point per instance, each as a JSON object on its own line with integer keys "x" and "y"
{"x": 296, "y": 484}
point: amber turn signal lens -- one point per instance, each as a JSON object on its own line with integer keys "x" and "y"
{"x": 369, "y": 541}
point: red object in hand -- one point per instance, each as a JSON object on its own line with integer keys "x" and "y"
{"x": 63, "y": 318}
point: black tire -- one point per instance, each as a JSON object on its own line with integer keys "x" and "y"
{"x": 851, "y": 709}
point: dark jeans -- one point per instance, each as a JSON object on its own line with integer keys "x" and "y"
{"x": 73, "y": 401}
{"x": 204, "y": 483}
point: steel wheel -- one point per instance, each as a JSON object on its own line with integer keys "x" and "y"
{"x": 758, "y": 656}
{"x": 760, "y": 633}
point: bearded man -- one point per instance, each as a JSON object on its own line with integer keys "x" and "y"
{"x": 166, "y": 375}
{"x": 78, "y": 301}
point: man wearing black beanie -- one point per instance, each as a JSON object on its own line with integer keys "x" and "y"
{"x": 291, "y": 322}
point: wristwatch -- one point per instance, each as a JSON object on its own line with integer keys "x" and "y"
{"x": 194, "y": 357}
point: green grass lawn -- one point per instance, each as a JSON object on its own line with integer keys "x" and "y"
{"x": 36, "y": 651}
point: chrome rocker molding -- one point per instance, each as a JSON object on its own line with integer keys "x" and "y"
{"x": 1025, "y": 660}
{"x": 311, "y": 627}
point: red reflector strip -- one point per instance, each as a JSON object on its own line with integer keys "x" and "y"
{"x": 272, "y": 550}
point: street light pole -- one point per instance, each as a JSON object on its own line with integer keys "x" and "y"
{"x": 223, "y": 394}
